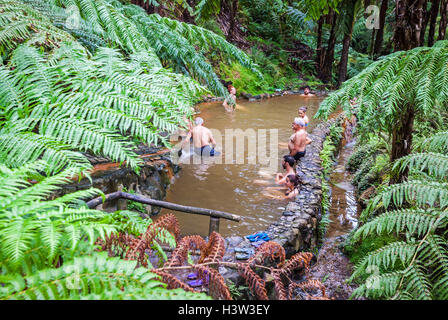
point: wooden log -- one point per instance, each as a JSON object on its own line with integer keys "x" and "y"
{"x": 214, "y": 225}
{"x": 163, "y": 204}
{"x": 122, "y": 204}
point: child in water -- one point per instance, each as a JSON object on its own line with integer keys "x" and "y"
{"x": 302, "y": 114}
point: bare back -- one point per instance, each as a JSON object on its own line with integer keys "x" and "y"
{"x": 202, "y": 136}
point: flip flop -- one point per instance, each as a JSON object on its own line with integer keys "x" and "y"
{"x": 258, "y": 236}
{"x": 195, "y": 283}
{"x": 192, "y": 276}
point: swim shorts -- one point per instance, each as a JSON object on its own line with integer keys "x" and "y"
{"x": 299, "y": 155}
{"x": 206, "y": 151}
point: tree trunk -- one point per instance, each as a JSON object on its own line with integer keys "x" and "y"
{"x": 443, "y": 19}
{"x": 433, "y": 21}
{"x": 319, "y": 49}
{"x": 409, "y": 24}
{"x": 425, "y": 16}
{"x": 343, "y": 64}
{"x": 233, "y": 11}
{"x": 402, "y": 140}
{"x": 326, "y": 72}
{"x": 380, "y": 32}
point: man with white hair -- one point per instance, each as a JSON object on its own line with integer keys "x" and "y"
{"x": 299, "y": 140}
{"x": 202, "y": 138}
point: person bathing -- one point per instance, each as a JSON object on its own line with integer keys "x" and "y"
{"x": 299, "y": 140}
{"x": 307, "y": 92}
{"x": 293, "y": 184}
{"x": 288, "y": 164}
{"x": 232, "y": 97}
{"x": 302, "y": 114}
{"x": 203, "y": 141}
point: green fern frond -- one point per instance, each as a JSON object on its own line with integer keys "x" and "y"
{"x": 420, "y": 193}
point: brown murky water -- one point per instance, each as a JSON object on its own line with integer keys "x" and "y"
{"x": 242, "y": 189}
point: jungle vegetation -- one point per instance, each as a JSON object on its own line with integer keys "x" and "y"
{"x": 82, "y": 78}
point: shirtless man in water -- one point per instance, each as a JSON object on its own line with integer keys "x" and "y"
{"x": 288, "y": 164}
{"x": 307, "y": 92}
{"x": 202, "y": 138}
{"x": 299, "y": 140}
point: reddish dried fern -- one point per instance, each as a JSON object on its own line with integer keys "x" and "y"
{"x": 307, "y": 286}
{"x": 167, "y": 222}
{"x": 171, "y": 281}
{"x": 268, "y": 251}
{"x": 180, "y": 254}
{"x": 215, "y": 250}
{"x": 301, "y": 260}
{"x": 216, "y": 284}
{"x": 256, "y": 285}
{"x": 279, "y": 286}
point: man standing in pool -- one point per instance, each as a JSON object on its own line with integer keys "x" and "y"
{"x": 299, "y": 140}
{"x": 202, "y": 138}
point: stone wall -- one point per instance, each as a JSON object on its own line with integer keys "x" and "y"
{"x": 152, "y": 180}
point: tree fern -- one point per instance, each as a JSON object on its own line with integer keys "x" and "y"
{"x": 416, "y": 265}
{"x": 415, "y": 77}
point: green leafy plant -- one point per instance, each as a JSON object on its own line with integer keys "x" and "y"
{"x": 415, "y": 266}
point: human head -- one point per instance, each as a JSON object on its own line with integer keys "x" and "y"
{"x": 298, "y": 124}
{"x": 231, "y": 89}
{"x": 302, "y": 111}
{"x": 307, "y": 90}
{"x": 292, "y": 181}
{"x": 198, "y": 121}
{"x": 288, "y": 160}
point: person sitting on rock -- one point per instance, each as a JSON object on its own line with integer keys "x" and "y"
{"x": 288, "y": 164}
{"x": 307, "y": 92}
{"x": 302, "y": 114}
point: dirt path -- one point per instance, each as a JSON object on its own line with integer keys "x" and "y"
{"x": 333, "y": 269}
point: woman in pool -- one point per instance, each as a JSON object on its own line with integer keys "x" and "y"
{"x": 292, "y": 183}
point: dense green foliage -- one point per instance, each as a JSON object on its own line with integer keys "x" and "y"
{"x": 401, "y": 247}
{"x": 415, "y": 266}
{"x": 47, "y": 247}
{"x": 328, "y": 158}
{"x": 81, "y": 78}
